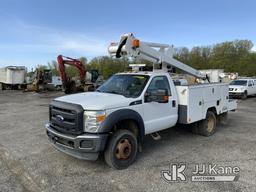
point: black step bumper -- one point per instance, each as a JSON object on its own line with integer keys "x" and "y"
{"x": 86, "y": 146}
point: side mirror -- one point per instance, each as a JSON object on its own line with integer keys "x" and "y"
{"x": 160, "y": 96}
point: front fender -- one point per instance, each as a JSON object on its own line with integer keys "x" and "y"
{"x": 120, "y": 115}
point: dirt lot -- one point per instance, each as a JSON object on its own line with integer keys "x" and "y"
{"x": 29, "y": 163}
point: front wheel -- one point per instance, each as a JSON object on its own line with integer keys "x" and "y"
{"x": 58, "y": 87}
{"x": 121, "y": 150}
{"x": 244, "y": 96}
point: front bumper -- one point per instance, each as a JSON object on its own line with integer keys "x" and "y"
{"x": 236, "y": 94}
{"x": 85, "y": 146}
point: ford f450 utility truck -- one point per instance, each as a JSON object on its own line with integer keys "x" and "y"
{"x": 114, "y": 119}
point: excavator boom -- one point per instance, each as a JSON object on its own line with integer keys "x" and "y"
{"x": 73, "y": 62}
{"x": 68, "y": 84}
{"x": 88, "y": 80}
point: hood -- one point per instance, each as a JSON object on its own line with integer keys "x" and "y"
{"x": 237, "y": 86}
{"x": 97, "y": 100}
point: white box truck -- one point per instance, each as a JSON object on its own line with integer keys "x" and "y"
{"x": 114, "y": 119}
{"x": 12, "y": 76}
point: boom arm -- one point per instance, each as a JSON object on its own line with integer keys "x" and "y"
{"x": 70, "y": 61}
{"x": 131, "y": 46}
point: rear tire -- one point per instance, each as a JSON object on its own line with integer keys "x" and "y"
{"x": 121, "y": 150}
{"x": 207, "y": 127}
{"x": 194, "y": 127}
{"x": 222, "y": 119}
{"x": 2, "y": 86}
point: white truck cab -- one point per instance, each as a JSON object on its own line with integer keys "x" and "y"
{"x": 242, "y": 88}
{"x": 114, "y": 119}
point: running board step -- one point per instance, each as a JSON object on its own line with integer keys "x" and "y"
{"x": 156, "y": 136}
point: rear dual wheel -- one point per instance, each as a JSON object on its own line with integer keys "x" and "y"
{"x": 206, "y": 127}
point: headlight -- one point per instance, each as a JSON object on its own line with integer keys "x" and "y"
{"x": 93, "y": 119}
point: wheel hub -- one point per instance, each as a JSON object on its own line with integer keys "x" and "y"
{"x": 123, "y": 149}
{"x": 210, "y": 124}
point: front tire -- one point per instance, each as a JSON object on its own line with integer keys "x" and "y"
{"x": 121, "y": 150}
{"x": 58, "y": 88}
{"x": 244, "y": 96}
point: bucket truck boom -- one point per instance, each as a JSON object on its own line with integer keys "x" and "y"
{"x": 153, "y": 52}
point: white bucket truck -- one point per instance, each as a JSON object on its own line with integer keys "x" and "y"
{"x": 114, "y": 119}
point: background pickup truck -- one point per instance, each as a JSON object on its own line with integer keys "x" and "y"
{"x": 114, "y": 119}
{"x": 242, "y": 88}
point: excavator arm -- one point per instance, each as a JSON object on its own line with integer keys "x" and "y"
{"x": 73, "y": 62}
{"x": 68, "y": 84}
{"x": 153, "y": 52}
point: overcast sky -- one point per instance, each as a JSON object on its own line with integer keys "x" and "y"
{"x": 34, "y": 32}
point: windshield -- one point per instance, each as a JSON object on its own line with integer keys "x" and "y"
{"x": 126, "y": 85}
{"x": 239, "y": 82}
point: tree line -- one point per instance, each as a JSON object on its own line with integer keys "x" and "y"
{"x": 232, "y": 56}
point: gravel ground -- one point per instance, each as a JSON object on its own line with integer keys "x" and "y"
{"x": 29, "y": 163}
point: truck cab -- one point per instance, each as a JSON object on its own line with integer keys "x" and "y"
{"x": 81, "y": 124}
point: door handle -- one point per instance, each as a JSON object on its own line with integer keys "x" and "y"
{"x": 173, "y": 103}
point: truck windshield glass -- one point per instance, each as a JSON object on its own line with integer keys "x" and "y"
{"x": 126, "y": 85}
{"x": 239, "y": 82}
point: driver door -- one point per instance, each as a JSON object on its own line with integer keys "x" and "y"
{"x": 159, "y": 116}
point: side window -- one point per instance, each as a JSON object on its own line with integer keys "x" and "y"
{"x": 159, "y": 82}
{"x": 250, "y": 83}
